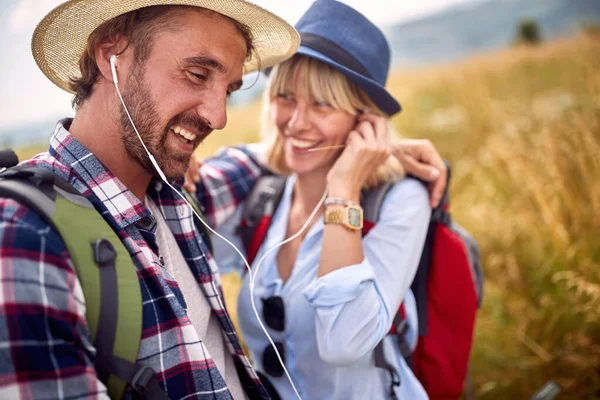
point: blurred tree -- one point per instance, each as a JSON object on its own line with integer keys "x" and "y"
{"x": 528, "y": 32}
{"x": 591, "y": 29}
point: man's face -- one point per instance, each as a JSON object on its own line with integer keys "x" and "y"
{"x": 179, "y": 94}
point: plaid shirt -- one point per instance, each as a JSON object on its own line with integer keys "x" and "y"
{"x": 45, "y": 346}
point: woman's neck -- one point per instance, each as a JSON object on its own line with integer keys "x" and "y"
{"x": 308, "y": 190}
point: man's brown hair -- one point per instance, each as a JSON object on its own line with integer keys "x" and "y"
{"x": 140, "y": 28}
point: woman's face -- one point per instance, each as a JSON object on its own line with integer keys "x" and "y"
{"x": 304, "y": 124}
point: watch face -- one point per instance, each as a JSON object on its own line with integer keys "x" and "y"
{"x": 354, "y": 217}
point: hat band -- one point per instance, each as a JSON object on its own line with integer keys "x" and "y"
{"x": 333, "y": 51}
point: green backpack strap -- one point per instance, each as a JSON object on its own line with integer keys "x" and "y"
{"x": 104, "y": 267}
{"x": 204, "y": 232}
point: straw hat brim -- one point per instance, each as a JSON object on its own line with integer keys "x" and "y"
{"x": 60, "y": 38}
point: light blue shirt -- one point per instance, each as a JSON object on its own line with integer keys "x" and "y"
{"x": 333, "y": 323}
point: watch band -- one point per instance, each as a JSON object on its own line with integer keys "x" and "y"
{"x": 350, "y": 217}
{"x": 334, "y": 216}
{"x": 337, "y": 200}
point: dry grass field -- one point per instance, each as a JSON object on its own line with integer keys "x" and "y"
{"x": 521, "y": 129}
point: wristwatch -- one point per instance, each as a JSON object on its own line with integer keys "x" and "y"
{"x": 350, "y": 217}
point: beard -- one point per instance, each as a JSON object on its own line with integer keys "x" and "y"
{"x": 143, "y": 110}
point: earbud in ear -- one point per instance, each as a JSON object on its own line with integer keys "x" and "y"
{"x": 113, "y": 68}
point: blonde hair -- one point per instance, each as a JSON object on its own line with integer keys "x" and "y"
{"x": 321, "y": 82}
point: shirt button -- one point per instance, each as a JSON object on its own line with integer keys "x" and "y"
{"x": 147, "y": 222}
{"x": 183, "y": 210}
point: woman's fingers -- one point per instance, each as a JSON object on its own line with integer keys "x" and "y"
{"x": 192, "y": 175}
{"x": 380, "y": 127}
{"x": 380, "y": 124}
{"x": 189, "y": 186}
{"x": 367, "y": 132}
{"x": 376, "y": 127}
{"x": 354, "y": 139}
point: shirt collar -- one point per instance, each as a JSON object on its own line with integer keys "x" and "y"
{"x": 120, "y": 202}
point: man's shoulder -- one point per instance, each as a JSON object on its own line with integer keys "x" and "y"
{"x": 17, "y": 216}
{"x": 48, "y": 162}
{"x": 20, "y": 226}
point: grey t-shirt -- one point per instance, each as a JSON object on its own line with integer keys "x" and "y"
{"x": 203, "y": 319}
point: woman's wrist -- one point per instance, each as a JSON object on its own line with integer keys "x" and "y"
{"x": 344, "y": 192}
{"x": 331, "y": 201}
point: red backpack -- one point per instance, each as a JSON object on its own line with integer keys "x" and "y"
{"x": 447, "y": 287}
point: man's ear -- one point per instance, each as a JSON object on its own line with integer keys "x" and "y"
{"x": 104, "y": 52}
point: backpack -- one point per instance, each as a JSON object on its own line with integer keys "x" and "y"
{"x": 107, "y": 274}
{"x": 448, "y": 287}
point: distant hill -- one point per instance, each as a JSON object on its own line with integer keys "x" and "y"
{"x": 454, "y": 33}
{"x": 469, "y": 28}
{"x": 28, "y": 135}
{"x": 483, "y": 25}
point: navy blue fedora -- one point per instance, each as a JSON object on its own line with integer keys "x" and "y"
{"x": 340, "y": 36}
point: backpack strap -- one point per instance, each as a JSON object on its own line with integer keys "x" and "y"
{"x": 8, "y": 158}
{"x": 474, "y": 258}
{"x": 104, "y": 267}
{"x": 261, "y": 204}
{"x": 419, "y": 286}
{"x": 204, "y": 232}
{"x": 371, "y": 201}
{"x": 381, "y": 362}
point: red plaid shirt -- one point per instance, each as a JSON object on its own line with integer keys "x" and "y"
{"x": 45, "y": 347}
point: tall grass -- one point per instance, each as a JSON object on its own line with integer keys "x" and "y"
{"x": 521, "y": 129}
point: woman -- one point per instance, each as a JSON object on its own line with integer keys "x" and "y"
{"x": 329, "y": 296}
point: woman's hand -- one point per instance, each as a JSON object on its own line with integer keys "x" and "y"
{"x": 420, "y": 159}
{"x": 192, "y": 175}
{"x": 367, "y": 147}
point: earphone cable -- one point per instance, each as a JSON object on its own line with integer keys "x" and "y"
{"x": 251, "y": 277}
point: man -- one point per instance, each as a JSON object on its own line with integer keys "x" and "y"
{"x": 176, "y": 65}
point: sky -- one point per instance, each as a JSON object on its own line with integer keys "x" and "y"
{"x": 26, "y": 96}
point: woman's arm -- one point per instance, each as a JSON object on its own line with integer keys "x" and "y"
{"x": 367, "y": 147}
{"x": 355, "y": 305}
{"x": 227, "y": 259}
{"x": 223, "y": 182}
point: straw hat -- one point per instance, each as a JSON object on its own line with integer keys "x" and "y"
{"x": 60, "y": 38}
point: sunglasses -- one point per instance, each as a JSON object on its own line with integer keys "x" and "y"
{"x": 274, "y": 316}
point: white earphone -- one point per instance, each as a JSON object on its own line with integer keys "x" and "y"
{"x": 113, "y": 68}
